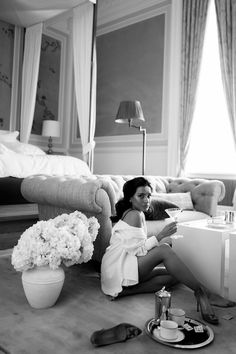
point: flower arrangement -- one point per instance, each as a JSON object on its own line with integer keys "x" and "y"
{"x": 67, "y": 239}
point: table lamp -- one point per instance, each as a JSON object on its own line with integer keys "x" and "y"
{"x": 131, "y": 112}
{"x": 51, "y": 128}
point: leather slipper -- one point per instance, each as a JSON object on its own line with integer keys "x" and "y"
{"x": 119, "y": 333}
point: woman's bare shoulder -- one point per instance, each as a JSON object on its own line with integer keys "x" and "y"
{"x": 133, "y": 218}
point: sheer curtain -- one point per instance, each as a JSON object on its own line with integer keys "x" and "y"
{"x": 82, "y": 34}
{"x": 211, "y": 123}
{"x": 226, "y": 21}
{"x": 193, "y": 28}
{"x": 30, "y": 71}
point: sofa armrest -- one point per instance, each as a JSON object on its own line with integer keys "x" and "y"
{"x": 75, "y": 193}
{"x": 206, "y": 196}
{"x": 205, "y": 193}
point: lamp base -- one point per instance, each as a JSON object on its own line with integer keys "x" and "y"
{"x": 50, "y": 151}
{"x": 143, "y": 131}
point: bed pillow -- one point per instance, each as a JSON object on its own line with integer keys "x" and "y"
{"x": 182, "y": 200}
{"x": 4, "y": 149}
{"x": 157, "y": 209}
{"x": 23, "y": 148}
{"x": 5, "y": 132}
{"x": 8, "y": 136}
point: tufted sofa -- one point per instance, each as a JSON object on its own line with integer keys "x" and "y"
{"x": 96, "y": 195}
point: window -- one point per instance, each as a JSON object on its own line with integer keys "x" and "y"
{"x": 212, "y": 149}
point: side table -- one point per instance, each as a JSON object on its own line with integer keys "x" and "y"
{"x": 203, "y": 249}
{"x": 231, "y": 285}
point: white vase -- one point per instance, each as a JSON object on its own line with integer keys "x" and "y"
{"x": 42, "y": 286}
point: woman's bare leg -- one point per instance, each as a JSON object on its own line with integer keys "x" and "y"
{"x": 149, "y": 286}
{"x": 155, "y": 281}
{"x": 175, "y": 267}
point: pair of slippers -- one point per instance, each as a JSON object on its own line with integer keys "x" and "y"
{"x": 119, "y": 333}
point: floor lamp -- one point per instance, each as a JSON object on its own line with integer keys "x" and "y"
{"x": 131, "y": 112}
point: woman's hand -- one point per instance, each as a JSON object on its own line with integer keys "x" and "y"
{"x": 166, "y": 240}
{"x": 168, "y": 230}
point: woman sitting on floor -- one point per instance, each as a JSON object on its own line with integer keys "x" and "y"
{"x": 129, "y": 263}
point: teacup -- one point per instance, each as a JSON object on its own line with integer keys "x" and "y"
{"x": 177, "y": 315}
{"x": 168, "y": 329}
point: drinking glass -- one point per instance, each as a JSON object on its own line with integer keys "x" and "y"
{"x": 173, "y": 213}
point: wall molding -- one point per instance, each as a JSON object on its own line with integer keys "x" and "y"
{"x": 109, "y": 11}
{"x": 128, "y": 141}
{"x": 132, "y": 18}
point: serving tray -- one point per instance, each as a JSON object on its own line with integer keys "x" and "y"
{"x": 198, "y": 336}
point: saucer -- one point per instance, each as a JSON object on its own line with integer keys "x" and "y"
{"x": 180, "y": 336}
{"x": 219, "y": 226}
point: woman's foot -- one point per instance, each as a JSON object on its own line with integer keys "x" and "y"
{"x": 203, "y": 303}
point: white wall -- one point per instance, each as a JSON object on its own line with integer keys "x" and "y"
{"x": 126, "y": 159}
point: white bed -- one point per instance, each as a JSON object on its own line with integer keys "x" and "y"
{"x": 23, "y": 160}
{"x": 19, "y": 160}
{"x": 21, "y": 166}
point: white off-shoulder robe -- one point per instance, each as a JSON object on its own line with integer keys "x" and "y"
{"x": 119, "y": 264}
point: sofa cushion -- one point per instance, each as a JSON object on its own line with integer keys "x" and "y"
{"x": 182, "y": 200}
{"x": 157, "y": 209}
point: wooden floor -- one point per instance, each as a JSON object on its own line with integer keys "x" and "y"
{"x": 82, "y": 308}
{"x": 14, "y": 220}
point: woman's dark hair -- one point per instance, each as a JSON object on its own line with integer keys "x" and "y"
{"x": 129, "y": 190}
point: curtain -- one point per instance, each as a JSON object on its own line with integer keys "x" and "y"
{"x": 30, "y": 71}
{"x": 193, "y": 29}
{"x": 226, "y": 22}
{"x": 84, "y": 76}
{"x": 93, "y": 108}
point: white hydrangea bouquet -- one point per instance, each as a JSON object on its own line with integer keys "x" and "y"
{"x": 67, "y": 239}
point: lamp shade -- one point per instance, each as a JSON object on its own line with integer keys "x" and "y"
{"x": 130, "y": 111}
{"x": 51, "y": 128}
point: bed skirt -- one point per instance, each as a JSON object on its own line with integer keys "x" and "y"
{"x": 10, "y": 191}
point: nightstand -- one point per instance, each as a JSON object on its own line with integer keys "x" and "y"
{"x": 57, "y": 153}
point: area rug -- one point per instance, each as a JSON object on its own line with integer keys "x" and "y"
{"x": 82, "y": 309}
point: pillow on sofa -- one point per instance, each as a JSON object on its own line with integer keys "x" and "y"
{"x": 182, "y": 200}
{"x": 157, "y": 209}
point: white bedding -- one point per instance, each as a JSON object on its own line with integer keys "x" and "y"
{"x": 20, "y": 165}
